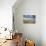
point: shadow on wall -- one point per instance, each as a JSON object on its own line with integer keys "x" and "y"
{"x": 28, "y": 7}
{"x": 37, "y": 41}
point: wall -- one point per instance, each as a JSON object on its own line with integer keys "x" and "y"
{"x": 43, "y": 24}
{"x": 30, "y": 31}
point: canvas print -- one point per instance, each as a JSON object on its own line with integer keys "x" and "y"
{"x": 29, "y": 19}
